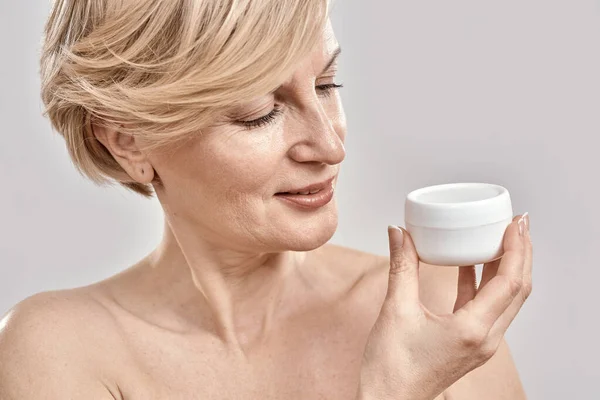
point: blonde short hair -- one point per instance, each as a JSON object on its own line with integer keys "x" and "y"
{"x": 163, "y": 69}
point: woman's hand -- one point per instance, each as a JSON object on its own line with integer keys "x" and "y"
{"x": 413, "y": 354}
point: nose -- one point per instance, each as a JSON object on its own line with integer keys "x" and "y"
{"x": 319, "y": 138}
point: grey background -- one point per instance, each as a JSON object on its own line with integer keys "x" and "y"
{"x": 506, "y": 92}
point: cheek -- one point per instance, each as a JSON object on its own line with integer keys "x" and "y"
{"x": 244, "y": 164}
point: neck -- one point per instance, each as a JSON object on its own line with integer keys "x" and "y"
{"x": 244, "y": 293}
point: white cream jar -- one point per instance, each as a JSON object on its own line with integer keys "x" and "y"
{"x": 458, "y": 224}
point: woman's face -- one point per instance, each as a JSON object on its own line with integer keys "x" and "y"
{"x": 223, "y": 183}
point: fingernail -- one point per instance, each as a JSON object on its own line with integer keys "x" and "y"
{"x": 522, "y": 222}
{"x": 526, "y": 217}
{"x": 400, "y": 236}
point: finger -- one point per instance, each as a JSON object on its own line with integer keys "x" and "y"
{"x": 501, "y": 325}
{"x": 497, "y": 295}
{"x": 528, "y": 267}
{"x": 490, "y": 269}
{"x": 466, "y": 287}
{"x": 403, "y": 285}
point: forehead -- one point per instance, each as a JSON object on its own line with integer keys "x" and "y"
{"x": 325, "y": 48}
{"x": 314, "y": 63}
{"x": 329, "y": 40}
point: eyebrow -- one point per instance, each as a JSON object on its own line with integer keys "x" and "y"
{"x": 334, "y": 56}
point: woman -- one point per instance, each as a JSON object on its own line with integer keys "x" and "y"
{"x": 226, "y": 110}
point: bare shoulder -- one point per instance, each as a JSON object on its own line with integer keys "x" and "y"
{"x": 352, "y": 260}
{"x": 49, "y": 344}
{"x": 368, "y": 274}
{"x": 48, "y": 319}
{"x": 350, "y": 265}
{"x": 61, "y": 315}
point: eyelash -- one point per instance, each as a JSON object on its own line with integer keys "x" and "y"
{"x": 270, "y": 117}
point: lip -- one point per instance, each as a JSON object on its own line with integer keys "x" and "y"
{"x": 314, "y": 186}
{"x": 309, "y": 201}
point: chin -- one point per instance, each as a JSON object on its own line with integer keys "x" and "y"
{"x": 309, "y": 236}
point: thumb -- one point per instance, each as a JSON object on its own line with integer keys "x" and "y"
{"x": 403, "y": 285}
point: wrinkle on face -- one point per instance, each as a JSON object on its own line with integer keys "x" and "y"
{"x": 244, "y": 247}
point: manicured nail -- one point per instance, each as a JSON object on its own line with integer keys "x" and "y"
{"x": 526, "y": 217}
{"x": 522, "y": 224}
{"x": 400, "y": 236}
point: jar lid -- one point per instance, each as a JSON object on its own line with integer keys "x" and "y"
{"x": 457, "y": 205}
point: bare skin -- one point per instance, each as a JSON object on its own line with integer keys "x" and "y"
{"x": 244, "y": 298}
{"x": 133, "y": 346}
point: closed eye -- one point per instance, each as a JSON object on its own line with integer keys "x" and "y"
{"x": 326, "y": 90}
{"x": 264, "y": 120}
{"x": 323, "y": 90}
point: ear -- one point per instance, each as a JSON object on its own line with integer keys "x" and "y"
{"x": 126, "y": 151}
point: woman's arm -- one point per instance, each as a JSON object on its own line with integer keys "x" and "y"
{"x": 42, "y": 354}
